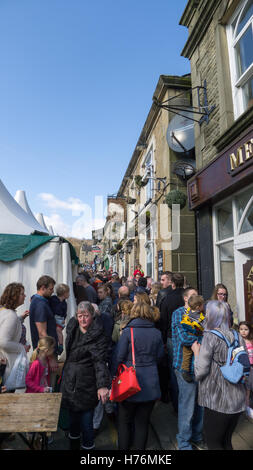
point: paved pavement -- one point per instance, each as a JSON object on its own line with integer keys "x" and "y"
{"x": 162, "y": 433}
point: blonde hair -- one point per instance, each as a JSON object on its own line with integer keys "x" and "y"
{"x": 61, "y": 289}
{"x": 126, "y": 306}
{"x": 142, "y": 297}
{"x": 155, "y": 288}
{"x": 195, "y": 301}
{"x": 145, "y": 311}
{"x": 48, "y": 342}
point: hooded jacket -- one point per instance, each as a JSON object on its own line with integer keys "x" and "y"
{"x": 85, "y": 369}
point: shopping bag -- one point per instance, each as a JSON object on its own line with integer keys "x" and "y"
{"x": 125, "y": 384}
{"x": 18, "y": 373}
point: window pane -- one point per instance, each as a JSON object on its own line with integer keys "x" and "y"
{"x": 248, "y": 93}
{"x": 227, "y": 270}
{"x": 149, "y": 254}
{"x": 248, "y": 12}
{"x": 227, "y": 252}
{"x": 244, "y": 52}
{"x": 247, "y": 225}
{"x": 225, "y": 221}
{"x": 242, "y": 201}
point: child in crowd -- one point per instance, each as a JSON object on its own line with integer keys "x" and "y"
{"x": 246, "y": 332}
{"x": 23, "y": 339}
{"x": 193, "y": 322}
{"x": 38, "y": 377}
{"x": 58, "y": 306}
{"x": 138, "y": 271}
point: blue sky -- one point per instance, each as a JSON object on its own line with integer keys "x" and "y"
{"x": 76, "y": 85}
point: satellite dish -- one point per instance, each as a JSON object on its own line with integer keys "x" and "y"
{"x": 180, "y": 133}
{"x": 184, "y": 170}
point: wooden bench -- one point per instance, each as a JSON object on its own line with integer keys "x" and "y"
{"x": 30, "y": 412}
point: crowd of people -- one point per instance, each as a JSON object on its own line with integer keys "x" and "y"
{"x": 178, "y": 358}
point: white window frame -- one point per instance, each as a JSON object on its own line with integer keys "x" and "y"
{"x": 237, "y": 224}
{"x": 237, "y": 85}
{"x": 150, "y": 245}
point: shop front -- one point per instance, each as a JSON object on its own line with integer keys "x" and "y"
{"x": 221, "y": 194}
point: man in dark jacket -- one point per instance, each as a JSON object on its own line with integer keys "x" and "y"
{"x": 115, "y": 286}
{"x": 142, "y": 285}
{"x": 163, "y": 370}
{"x": 105, "y": 309}
{"x": 172, "y": 301}
{"x": 166, "y": 287}
{"x": 90, "y": 292}
{"x": 42, "y": 319}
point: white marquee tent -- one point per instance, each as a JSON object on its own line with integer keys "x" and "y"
{"x": 40, "y": 219}
{"x": 52, "y": 257}
{"x": 20, "y": 198}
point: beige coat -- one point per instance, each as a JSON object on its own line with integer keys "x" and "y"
{"x": 10, "y": 334}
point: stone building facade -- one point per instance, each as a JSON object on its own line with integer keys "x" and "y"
{"x": 220, "y": 49}
{"x": 154, "y": 236}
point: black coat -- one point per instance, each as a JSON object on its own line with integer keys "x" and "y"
{"x": 162, "y": 295}
{"x": 172, "y": 301}
{"x": 85, "y": 369}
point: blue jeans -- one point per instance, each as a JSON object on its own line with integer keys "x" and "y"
{"x": 82, "y": 422}
{"x": 190, "y": 414}
{"x": 172, "y": 377}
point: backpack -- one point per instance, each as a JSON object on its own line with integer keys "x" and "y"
{"x": 237, "y": 366}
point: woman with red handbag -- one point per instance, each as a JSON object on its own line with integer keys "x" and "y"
{"x": 148, "y": 350}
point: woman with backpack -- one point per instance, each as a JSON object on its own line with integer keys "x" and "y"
{"x": 223, "y": 401}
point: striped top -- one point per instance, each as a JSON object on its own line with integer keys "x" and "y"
{"x": 215, "y": 392}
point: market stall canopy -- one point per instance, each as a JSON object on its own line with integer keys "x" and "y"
{"x": 14, "y": 220}
{"x": 21, "y": 199}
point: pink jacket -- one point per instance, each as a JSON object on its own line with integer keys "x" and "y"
{"x": 34, "y": 376}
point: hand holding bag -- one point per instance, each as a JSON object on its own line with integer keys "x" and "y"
{"x": 125, "y": 384}
{"x": 18, "y": 373}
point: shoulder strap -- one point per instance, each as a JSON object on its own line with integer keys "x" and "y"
{"x": 220, "y": 335}
{"x": 132, "y": 342}
{"x": 236, "y": 336}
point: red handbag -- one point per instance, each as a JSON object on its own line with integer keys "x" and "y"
{"x": 125, "y": 384}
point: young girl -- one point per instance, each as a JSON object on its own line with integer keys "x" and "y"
{"x": 38, "y": 376}
{"x": 246, "y": 332}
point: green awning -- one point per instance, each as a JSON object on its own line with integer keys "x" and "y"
{"x": 14, "y": 247}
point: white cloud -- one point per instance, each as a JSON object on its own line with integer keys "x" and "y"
{"x": 83, "y": 227}
{"x": 75, "y": 205}
{"x": 58, "y": 225}
{"x": 80, "y": 228}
